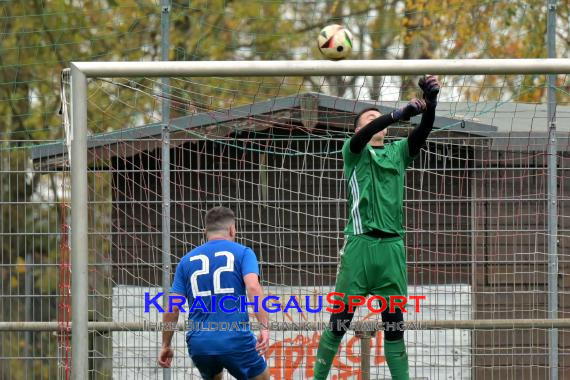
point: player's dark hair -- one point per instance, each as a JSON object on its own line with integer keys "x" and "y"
{"x": 362, "y": 113}
{"x": 219, "y": 219}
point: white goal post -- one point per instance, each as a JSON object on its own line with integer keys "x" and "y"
{"x": 81, "y": 71}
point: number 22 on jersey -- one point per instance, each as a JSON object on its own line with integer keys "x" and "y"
{"x": 205, "y": 269}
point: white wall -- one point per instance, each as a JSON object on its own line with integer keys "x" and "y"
{"x": 433, "y": 354}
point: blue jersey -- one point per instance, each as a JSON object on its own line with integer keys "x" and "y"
{"x": 211, "y": 273}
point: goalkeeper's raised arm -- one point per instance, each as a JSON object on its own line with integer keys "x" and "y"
{"x": 370, "y": 125}
{"x": 430, "y": 87}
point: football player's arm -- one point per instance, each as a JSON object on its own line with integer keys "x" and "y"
{"x": 165, "y": 359}
{"x": 363, "y": 136}
{"x": 430, "y": 87}
{"x": 420, "y": 133}
{"x": 177, "y": 292}
{"x": 255, "y": 292}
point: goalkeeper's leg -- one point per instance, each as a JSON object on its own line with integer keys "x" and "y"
{"x": 394, "y": 346}
{"x": 386, "y": 266}
{"x": 329, "y": 342}
{"x": 350, "y": 281}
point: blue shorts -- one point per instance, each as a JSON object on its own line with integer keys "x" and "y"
{"x": 241, "y": 365}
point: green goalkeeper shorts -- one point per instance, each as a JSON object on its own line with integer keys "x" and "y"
{"x": 372, "y": 266}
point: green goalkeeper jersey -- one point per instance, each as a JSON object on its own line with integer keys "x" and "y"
{"x": 375, "y": 180}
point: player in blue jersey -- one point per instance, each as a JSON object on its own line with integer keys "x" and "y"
{"x": 219, "y": 273}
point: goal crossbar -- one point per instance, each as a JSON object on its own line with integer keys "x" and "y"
{"x": 323, "y": 68}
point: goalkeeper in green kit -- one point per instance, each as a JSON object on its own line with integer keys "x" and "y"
{"x": 373, "y": 260}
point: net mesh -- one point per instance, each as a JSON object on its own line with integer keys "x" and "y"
{"x": 269, "y": 148}
{"x": 40, "y": 38}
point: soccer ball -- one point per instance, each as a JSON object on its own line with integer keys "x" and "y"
{"x": 335, "y": 42}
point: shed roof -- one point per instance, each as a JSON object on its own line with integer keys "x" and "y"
{"x": 485, "y": 119}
